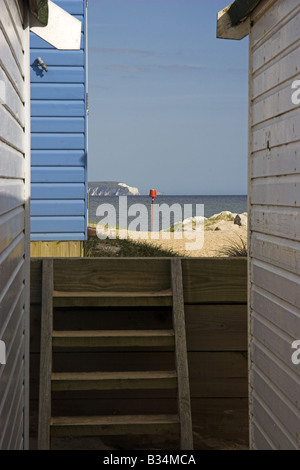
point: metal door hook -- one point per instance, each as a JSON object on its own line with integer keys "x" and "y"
{"x": 42, "y": 64}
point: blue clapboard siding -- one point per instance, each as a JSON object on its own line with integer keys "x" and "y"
{"x": 38, "y": 43}
{"x": 57, "y": 124}
{"x": 58, "y": 190}
{"x": 51, "y": 57}
{"x": 56, "y": 207}
{"x": 58, "y": 158}
{"x": 65, "y": 91}
{"x": 59, "y": 137}
{"x": 66, "y": 224}
{"x": 58, "y": 141}
{"x": 40, "y": 174}
{"x": 61, "y": 236}
{"x": 57, "y": 108}
{"x": 60, "y": 74}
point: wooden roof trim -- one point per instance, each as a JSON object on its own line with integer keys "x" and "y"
{"x": 234, "y": 20}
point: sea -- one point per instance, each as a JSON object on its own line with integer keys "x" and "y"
{"x": 212, "y": 205}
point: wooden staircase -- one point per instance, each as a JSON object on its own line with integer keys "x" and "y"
{"x": 77, "y": 381}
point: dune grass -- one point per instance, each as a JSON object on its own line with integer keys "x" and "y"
{"x": 117, "y": 248}
{"x": 235, "y": 249}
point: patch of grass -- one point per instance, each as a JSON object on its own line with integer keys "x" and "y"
{"x": 117, "y": 248}
{"x": 235, "y": 249}
{"x": 214, "y": 220}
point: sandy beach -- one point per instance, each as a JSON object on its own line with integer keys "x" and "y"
{"x": 219, "y": 232}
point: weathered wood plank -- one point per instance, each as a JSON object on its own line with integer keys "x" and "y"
{"x": 270, "y": 14}
{"x": 212, "y": 374}
{"x": 283, "y": 37}
{"x": 113, "y": 300}
{"x": 280, "y": 252}
{"x": 260, "y": 439}
{"x": 277, "y": 161}
{"x": 113, "y": 338}
{"x": 16, "y": 11}
{"x": 12, "y": 406}
{"x": 102, "y": 319}
{"x": 279, "y": 221}
{"x": 184, "y": 403}
{"x": 96, "y": 274}
{"x": 140, "y": 380}
{"x": 10, "y": 259}
{"x": 35, "y": 281}
{"x": 277, "y": 281}
{"x": 11, "y": 225}
{"x": 226, "y": 31}
{"x": 114, "y": 425}
{"x": 10, "y": 433}
{"x": 272, "y": 338}
{"x": 277, "y": 191}
{"x": 12, "y": 163}
{"x": 273, "y": 104}
{"x": 16, "y": 285}
{"x": 281, "y": 130}
{"x": 208, "y": 327}
{"x": 275, "y": 431}
{"x": 11, "y": 194}
{"x": 12, "y": 100}
{"x": 91, "y": 295}
{"x": 283, "y": 377}
{"x": 276, "y": 73}
{"x": 11, "y": 131}
{"x": 67, "y": 249}
{"x": 7, "y": 62}
{"x": 212, "y": 280}
{"x": 280, "y": 405}
{"x": 46, "y": 356}
{"x": 10, "y": 323}
{"x": 282, "y": 314}
{"x": 205, "y": 280}
{"x": 225, "y": 419}
{"x": 216, "y": 327}
{"x": 8, "y": 27}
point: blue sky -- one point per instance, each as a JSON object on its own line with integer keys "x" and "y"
{"x": 168, "y": 101}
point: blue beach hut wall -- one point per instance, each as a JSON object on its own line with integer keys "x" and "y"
{"x": 59, "y": 136}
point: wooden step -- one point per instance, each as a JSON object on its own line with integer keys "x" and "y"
{"x": 112, "y": 299}
{"x": 62, "y": 381}
{"x": 113, "y": 338}
{"x": 114, "y": 425}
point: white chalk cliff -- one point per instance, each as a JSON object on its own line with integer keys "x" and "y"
{"x": 112, "y": 188}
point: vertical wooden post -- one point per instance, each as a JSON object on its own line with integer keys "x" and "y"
{"x": 184, "y": 402}
{"x": 46, "y": 355}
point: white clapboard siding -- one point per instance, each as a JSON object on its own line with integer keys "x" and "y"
{"x": 14, "y": 240}
{"x": 273, "y": 104}
{"x": 274, "y": 228}
{"x": 275, "y": 74}
{"x": 276, "y": 132}
{"x": 277, "y": 13}
{"x": 277, "y": 161}
{"x": 278, "y": 39}
{"x": 277, "y": 373}
{"x": 280, "y": 221}
{"x": 277, "y": 191}
{"x": 278, "y": 252}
